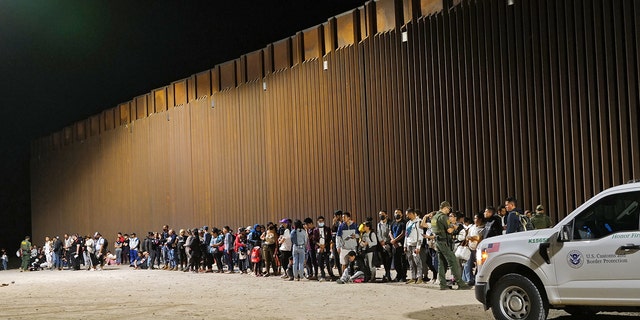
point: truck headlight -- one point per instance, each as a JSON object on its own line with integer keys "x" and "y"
{"x": 482, "y": 257}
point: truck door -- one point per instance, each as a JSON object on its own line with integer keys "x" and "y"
{"x": 599, "y": 263}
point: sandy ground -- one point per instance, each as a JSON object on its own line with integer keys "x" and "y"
{"x": 124, "y": 293}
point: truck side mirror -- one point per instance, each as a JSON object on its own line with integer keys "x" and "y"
{"x": 565, "y": 233}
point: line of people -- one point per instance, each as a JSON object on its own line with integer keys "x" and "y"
{"x": 342, "y": 251}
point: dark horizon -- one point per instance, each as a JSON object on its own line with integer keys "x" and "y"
{"x": 64, "y": 62}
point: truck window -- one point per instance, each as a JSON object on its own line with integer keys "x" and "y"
{"x": 614, "y": 213}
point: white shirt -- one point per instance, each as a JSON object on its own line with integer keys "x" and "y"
{"x": 286, "y": 245}
{"x": 413, "y": 235}
{"x": 475, "y": 231}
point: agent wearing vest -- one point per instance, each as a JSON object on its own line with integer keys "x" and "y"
{"x": 439, "y": 225}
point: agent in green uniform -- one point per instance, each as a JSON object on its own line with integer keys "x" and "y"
{"x": 439, "y": 226}
{"x": 25, "y": 248}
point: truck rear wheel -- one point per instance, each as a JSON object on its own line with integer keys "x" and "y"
{"x": 515, "y": 297}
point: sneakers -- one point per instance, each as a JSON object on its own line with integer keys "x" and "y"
{"x": 339, "y": 281}
{"x": 321, "y": 279}
{"x": 410, "y": 281}
{"x": 464, "y": 287}
{"x": 419, "y": 281}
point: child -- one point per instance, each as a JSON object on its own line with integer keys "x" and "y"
{"x": 256, "y": 259}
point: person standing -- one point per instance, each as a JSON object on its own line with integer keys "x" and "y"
{"x": 346, "y": 238}
{"x": 5, "y": 258}
{"x": 299, "y": 242}
{"x": 474, "y": 237}
{"x": 58, "y": 251}
{"x": 89, "y": 254}
{"x": 67, "y": 247}
{"x": 285, "y": 245}
{"x": 412, "y": 244}
{"x": 134, "y": 244}
{"x": 540, "y": 220}
{"x": 397, "y": 233}
{"x": 101, "y": 250}
{"x": 322, "y": 239}
{"x": 312, "y": 257}
{"x": 48, "y": 251}
{"x": 25, "y": 253}
{"x": 337, "y": 220}
{"x": 229, "y": 241}
{"x": 384, "y": 240}
{"x": 439, "y": 225}
{"x": 369, "y": 245}
{"x": 513, "y": 219}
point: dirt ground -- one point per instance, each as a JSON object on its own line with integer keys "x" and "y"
{"x": 120, "y": 292}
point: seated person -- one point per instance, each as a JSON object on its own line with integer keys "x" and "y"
{"x": 356, "y": 271}
{"x": 110, "y": 258}
{"x": 142, "y": 261}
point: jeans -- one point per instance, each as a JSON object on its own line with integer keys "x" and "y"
{"x": 165, "y": 255}
{"x": 57, "y": 260}
{"x": 118, "y": 256}
{"x": 298, "y": 261}
{"x": 312, "y": 263}
{"x": 346, "y": 277}
{"x": 229, "y": 256}
{"x": 414, "y": 262}
{"x": 171, "y": 255}
{"x": 467, "y": 274}
{"x": 133, "y": 255}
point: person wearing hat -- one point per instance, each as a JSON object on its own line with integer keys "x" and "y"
{"x": 439, "y": 226}
{"x": 25, "y": 253}
{"x": 540, "y": 220}
{"x": 134, "y": 245}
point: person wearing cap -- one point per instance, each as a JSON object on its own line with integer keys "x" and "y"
{"x": 439, "y": 226}
{"x": 134, "y": 244}
{"x": 100, "y": 250}
{"x": 540, "y": 220}
{"x": 25, "y": 253}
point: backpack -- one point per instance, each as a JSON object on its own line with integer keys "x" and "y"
{"x": 255, "y": 255}
{"x": 526, "y": 223}
{"x": 105, "y": 244}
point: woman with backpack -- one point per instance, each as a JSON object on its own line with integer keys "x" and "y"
{"x": 369, "y": 245}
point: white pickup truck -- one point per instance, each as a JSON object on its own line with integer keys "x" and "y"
{"x": 588, "y": 262}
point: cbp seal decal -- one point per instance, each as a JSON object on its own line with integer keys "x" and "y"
{"x": 575, "y": 259}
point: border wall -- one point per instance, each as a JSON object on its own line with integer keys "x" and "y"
{"x": 393, "y": 104}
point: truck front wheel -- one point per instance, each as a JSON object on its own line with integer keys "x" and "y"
{"x": 516, "y": 297}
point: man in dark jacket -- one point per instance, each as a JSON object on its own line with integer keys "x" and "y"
{"x": 493, "y": 226}
{"x": 322, "y": 239}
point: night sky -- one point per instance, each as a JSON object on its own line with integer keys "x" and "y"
{"x": 64, "y": 61}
